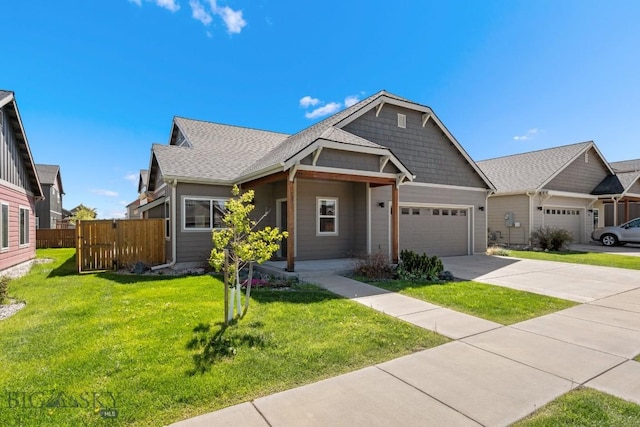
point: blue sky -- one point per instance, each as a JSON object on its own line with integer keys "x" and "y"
{"x": 98, "y": 81}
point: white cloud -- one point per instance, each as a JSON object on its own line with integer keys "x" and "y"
{"x": 132, "y": 177}
{"x": 171, "y": 5}
{"x": 232, "y": 19}
{"x": 107, "y": 193}
{"x": 351, "y": 100}
{"x": 307, "y": 101}
{"x": 123, "y": 202}
{"x": 325, "y": 110}
{"x": 529, "y": 134}
{"x": 199, "y": 13}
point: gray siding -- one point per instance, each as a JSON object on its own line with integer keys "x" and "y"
{"x": 348, "y": 241}
{"x": 195, "y": 246}
{"x": 579, "y": 176}
{"x": 426, "y": 151}
{"x": 498, "y": 206}
{"x": 50, "y": 208}
{"x": 349, "y": 160}
{"x": 12, "y": 167}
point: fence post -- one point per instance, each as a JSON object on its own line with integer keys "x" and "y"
{"x": 226, "y": 287}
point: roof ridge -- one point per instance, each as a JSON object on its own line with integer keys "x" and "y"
{"x": 229, "y": 125}
{"x": 535, "y": 151}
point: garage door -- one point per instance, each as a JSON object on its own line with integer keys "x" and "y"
{"x": 567, "y": 218}
{"x": 434, "y": 231}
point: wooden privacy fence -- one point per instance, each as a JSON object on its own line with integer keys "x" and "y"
{"x": 55, "y": 238}
{"x": 113, "y": 244}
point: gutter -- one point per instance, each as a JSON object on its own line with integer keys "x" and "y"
{"x": 174, "y": 237}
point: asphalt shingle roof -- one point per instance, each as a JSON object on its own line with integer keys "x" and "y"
{"x": 610, "y": 185}
{"x": 224, "y": 153}
{"x": 218, "y": 152}
{"x": 297, "y": 142}
{"x": 47, "y": 173}
{"x": 4, "y": 94}
{"x": 528, "y": 171}
{"x": 627, "y": 179}
{"x": 626, "y": 166}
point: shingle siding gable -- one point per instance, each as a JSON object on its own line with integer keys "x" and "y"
{"x": 580, "y": 176}
{"x": 425, "y": 151}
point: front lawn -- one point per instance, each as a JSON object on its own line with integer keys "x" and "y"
{"x": 151, "y": 347}
{"x": 588, "y": 258}
{"x": 495, "y": 303}
{"x": 585, "y": 407}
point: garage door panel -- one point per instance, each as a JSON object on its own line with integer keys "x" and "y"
{"x": 569, "y": 219}
{"x": 435, "y": 231}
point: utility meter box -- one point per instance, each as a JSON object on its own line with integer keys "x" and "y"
{"x": 509, "y": 219}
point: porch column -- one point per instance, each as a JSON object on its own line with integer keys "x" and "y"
{"x": 290, "y": 225}
{"x": 395, "y": 215}
{"x": 626, "y": 210}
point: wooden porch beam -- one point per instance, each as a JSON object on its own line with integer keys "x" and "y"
{"x": 278, "y": 176}
{"x": 344, "y": 177}
{"x": 291, "y": 224}
{"x": 395, "y": 211}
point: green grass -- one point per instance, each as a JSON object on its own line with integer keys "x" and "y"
{"x": 588, "y": 258}
{"x": 585, "y": 407}
{"x": 495, "y": 303}
{"x": 637, "y": 358}
{"x": 151, "y": 342}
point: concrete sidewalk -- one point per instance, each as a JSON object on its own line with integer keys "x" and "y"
{"x": 492, "y": 376}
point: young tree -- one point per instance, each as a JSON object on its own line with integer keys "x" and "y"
{"x": 244, "y": 244}
{"x": 82, "y": 213}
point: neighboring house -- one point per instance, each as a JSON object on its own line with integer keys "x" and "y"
{"x": 382, "y": 175}
{"x": 49, "y": 210}
{"x": 621, "y": 194}
{"x": 19, "y": 188}
{"x": 133, "y": 211}
{"x": 553, "y": 187}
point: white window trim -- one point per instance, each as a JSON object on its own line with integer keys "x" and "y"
{"x": 28, "y": 237}
{"x": 184, "y": 217}
{"x": 4, "y": 248}
{"x": 318, "y": 216}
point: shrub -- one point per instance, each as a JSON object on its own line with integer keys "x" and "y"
{"x": 551, "y": 238}
{"x": 4, "y": 289}
{"x": 497, "y": 250}
{"x": 419, "y": 267}
{"x": 375, "y": 266}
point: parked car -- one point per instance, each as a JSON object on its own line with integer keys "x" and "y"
{"x": 629, "y": 232}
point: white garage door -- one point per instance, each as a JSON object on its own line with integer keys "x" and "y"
{"x": 570, "y": 219}
{"x": 434, "y": 231}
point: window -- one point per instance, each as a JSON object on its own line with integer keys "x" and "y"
{"x": 415, "y": 211}
{"x": 445, "y": 211}
{"x": 402, "y": 121}
{"x": 454, "y": 212}
{"x": 436, "y": 211}
{"x": 463, "y": 213}
{"x": 327, "y": 216}
{"x": 24, "y": 226}
{"x": 4, "y": 228}
{"x": 404, "y": 211}
{"x": 202, "y": 214}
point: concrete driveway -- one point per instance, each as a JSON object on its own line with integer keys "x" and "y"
{"x": 630, "y": 249}
{"x": 575, "y": 282}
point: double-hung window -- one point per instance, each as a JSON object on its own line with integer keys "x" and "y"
{"x": 24, "y": 226}
{"x": 202, "y": 214}
{"x": 4, "y": 226}
{"x": 327, "y": 216}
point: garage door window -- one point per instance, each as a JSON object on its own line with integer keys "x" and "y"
{"x": 327, "y": 210}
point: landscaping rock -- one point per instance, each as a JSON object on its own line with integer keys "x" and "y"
{"x": 139, "y": 268}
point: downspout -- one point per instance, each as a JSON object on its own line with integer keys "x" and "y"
{"x": 487, "y": 194}
{"x": 173, "y": 220}
{"x": 531, "y": 197}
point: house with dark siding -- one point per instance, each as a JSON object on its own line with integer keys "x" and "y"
{"x": 19, "y": 188}
{"x": 49, "y": 210}
{"x": 380, "y": 176}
